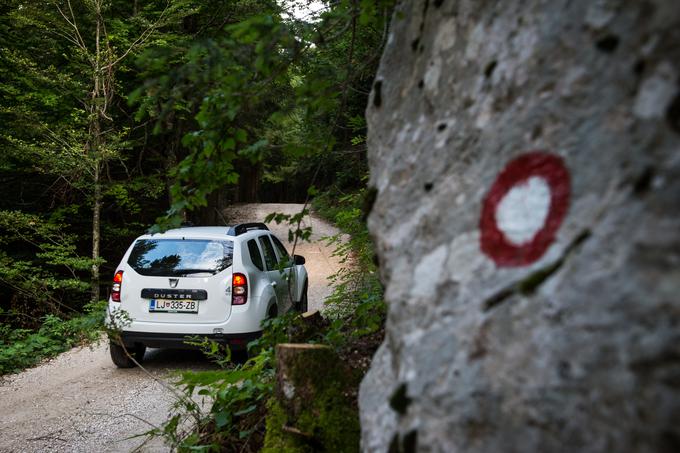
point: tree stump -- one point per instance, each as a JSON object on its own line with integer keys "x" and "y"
{"x": 311, "y": 410}
{"x": 302, "y": 370}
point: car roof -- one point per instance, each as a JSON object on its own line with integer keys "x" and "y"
{"x": 202, "y": 232}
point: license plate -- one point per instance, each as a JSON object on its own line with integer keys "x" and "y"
{"x": 173, "y": 306}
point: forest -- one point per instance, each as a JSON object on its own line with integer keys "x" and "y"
{"x": 121, "y": 116}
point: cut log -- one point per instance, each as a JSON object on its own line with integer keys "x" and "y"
{"x": 311, "y": 407}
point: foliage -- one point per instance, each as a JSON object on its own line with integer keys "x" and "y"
{"x": 22, "y": 348}
{"x": 236, "y": 397}
{"x": 268, "y": 96}
{"x": 238, "y": 101}
{"x": 40, "y": 262}
{"x": 64, "y": 161}
{"x": 356, "y": 304}
{"x": 295, "y": 231}
{"x": 200, "y": 95}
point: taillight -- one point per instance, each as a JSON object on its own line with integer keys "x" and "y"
{"x": 239, "y": 289}
{"x": 115, "y": 289}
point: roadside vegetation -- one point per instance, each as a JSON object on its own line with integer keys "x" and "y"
{"x": 23, "y": 348}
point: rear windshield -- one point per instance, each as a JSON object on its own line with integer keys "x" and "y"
{"x": 177, "y": 257}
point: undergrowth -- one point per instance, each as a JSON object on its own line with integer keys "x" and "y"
{"x": 226, "y": 410}
{"x": 23, "y": 348}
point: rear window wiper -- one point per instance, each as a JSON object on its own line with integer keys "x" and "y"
{"x": 193, "y": 271}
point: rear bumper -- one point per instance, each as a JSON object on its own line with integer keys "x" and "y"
{"x": 236, "y": 341}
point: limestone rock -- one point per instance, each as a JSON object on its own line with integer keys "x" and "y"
{"x": 526, "y": 157}
{"x": 375, "y": 393}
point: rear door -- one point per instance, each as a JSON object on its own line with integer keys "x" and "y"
{"x": 273, "y": 273}
{"x": 178, "y": 280}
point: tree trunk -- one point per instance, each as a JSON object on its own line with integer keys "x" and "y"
{"x": 249, "y": 182}
{"x": 96, "y": 224}
{"x": 100, "y": 91}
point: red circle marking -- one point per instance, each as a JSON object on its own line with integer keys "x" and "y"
{"x": 536, "y": 163}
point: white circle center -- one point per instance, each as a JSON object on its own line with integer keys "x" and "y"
{"x": 523, "y": 210}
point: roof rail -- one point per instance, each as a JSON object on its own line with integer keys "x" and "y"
{"x": 241, "y": 228}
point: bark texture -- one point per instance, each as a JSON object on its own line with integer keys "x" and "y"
{"x": 574, "y": 346}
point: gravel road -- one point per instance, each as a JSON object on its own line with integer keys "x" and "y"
{"x": 80, "y": 402}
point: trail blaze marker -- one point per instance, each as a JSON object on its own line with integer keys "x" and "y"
{"x": 524, "y": 209}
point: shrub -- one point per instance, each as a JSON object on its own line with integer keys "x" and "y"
{"x": 22, "y": 348}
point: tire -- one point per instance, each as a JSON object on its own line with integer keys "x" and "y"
{"x": 303, "y": 305}
{"x": 121, "y": 358}
{"x": 240, "y": 356}
{"x": 273, "y": 311}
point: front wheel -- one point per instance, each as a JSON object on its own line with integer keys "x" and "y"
{"x": 273, "y": 311}
{"x": 121, "y": 358}
{"x": 303, "y": 305}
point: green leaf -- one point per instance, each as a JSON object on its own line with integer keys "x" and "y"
{"x": 229, "y": 143}
{"x": 241, "y": 135}
{"x": 245, "y": 411}
{"x": 222, "y": 419}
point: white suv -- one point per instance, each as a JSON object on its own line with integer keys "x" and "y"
{"x": 214, "y": 282}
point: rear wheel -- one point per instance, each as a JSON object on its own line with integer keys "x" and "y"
{"x": 240, "y": 356}
{"x": 121, "y": 358}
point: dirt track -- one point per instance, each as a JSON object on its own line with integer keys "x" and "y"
{"x": 80, "y": 402}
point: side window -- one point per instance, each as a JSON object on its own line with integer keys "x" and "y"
{"x": 283, "y": 253}
{"x": 255, "y": 255}
{"x": 269, "y": 255}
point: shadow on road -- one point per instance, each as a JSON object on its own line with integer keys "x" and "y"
{"x": 177, "y": 359}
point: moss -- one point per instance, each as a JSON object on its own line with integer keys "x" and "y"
{"x": 334, "y": 424}
{"x": 329, "y": 424}
{"x": 276, "y": 440}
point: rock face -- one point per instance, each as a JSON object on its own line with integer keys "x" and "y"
{"x": 526, "y": 157}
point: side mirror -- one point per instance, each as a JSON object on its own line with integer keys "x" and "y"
{"x": 299, "y": 260}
